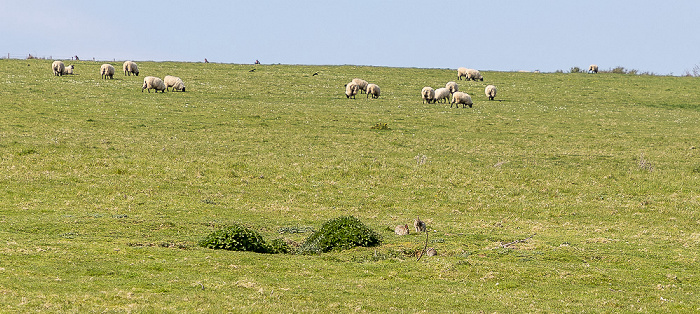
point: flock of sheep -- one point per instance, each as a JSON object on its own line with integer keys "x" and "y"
{"x": 361, "y": 85}
{"x": 429, "y": 94}
{"x": 129, "y": 67}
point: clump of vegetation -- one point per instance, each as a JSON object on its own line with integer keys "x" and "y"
{"x": 340, "y": 234}
{"x": 575, "y": 70}
{"x": 380, "y": 126}
{"x": 239, "y": 238}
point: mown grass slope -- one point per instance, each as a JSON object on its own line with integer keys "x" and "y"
{"x": 107, "y": 189}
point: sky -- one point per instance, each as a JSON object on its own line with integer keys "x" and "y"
{"x": 660, "y": 37}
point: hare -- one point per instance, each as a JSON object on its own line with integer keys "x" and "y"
{"x": 419, "y": 225}
{"x": 401, "y": 230}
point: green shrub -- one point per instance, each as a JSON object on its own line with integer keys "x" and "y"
{"x": 236, "y": 238}
{"x": 340, "y": 233}
{"x": 575, "y": 70}
{"x": 279, "y": 246}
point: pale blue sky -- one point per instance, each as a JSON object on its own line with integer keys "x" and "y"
{"x": 655, "y": 36}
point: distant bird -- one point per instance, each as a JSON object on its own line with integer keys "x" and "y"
{"x": 314, "y": 74}
{"x": 253, "y": 70}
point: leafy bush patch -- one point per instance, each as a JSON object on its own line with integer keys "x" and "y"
{"x": 340, "y": 233}
{"x": 238, "y": 238}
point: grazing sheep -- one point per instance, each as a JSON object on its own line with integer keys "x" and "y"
{"x": 452, "y": 86}
{"x": 419, "y": 225}
{"x": 130, "y": 67}
{"x": 373, "y": 89}
{"x": 442, "y": 94}
{"x": 461, "y": 98}
{"x": 361, "y": 84}
{"x": 402, "y": 230}
{"x": 351, "y": 90}
{"x": 428, "y": 94}
{"x": 107, "y": 70}
{"x": 490, "y": 92}
{"x": 154, "y": 83}
{"x": 474, "y": 75}
{"x": 58, "y": 68}
{"x": 461, "y": 72}
{"x": 593, "y": 68}
{"x": 174, "y": 82}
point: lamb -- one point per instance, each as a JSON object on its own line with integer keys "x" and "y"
{"x": 373, "y": 89}
{"x": 441, "y": 94}
{"x": 69, "y": 69}
{"x": 58, "y": 68}
{"x": 452, "y": 86}
{"x": 130, "y": 67}
{"x": 174, "y": 82}
{"x": 461, "y": 98}
{"x": 154, "y": 83}
{"x": 490, "y": 92}
{"x": 593, "y": 68}
{"x": 428, "y": 94}
{"x": 474, "y": 75}
{"x": 107, "y": 70}
{"x": 361, "y": 84}
{"x": 351, "y": 89}
{"x": 461, "y": 72}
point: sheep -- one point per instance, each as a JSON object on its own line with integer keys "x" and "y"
{"x": 130, "y": 67}
{"x": 361, "y": 84}
{"x": 174, "y": 82}
{"x": 461, "y": 98}
{"x": 474, "y": 75}
{"x": 452, "y": 86}
{"x": 373, "y": 89}
{"x": 441, "y": 94}
{"x": 490, "y": 92}
{"x": 69, "y": 70}
{"x": 107, "y": 70}
{"x": 593, "y": 68}
{"x": 154, "y": 83}
{"x": 58, "y": 68}
{"x": 428, "y": 94}
{"x": 461, "y": 72}
{"x": 351, "y": 90}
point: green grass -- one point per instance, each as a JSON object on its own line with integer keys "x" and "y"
{"x": 107, "y": 190}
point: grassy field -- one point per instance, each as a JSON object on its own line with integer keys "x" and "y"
{"x": 108, "y": 189}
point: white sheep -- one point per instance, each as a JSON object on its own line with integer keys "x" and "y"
{"x": 361, "y": 84}
{"x": 490, "y": 92}
{"x": 154, "y": 83}
{"x": 452, "y": 86}
{"x": 593, "y": 68}
{"x": 174, "y": 82}
{"x": 107, "y": 70}
{"x": 474, "y": 75}
{"x": 428, "y": 94}
{"x": 373, "y": 89}
{"x": 461, "y": 72}
{"x": 442, "y": 94}
{"x": 69, "y": 70}
{"x": 351, "y": 90}
{"x": 130, "y": 67}
{"x": 461, "y": 98}
{"x": 58, "y": 68}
